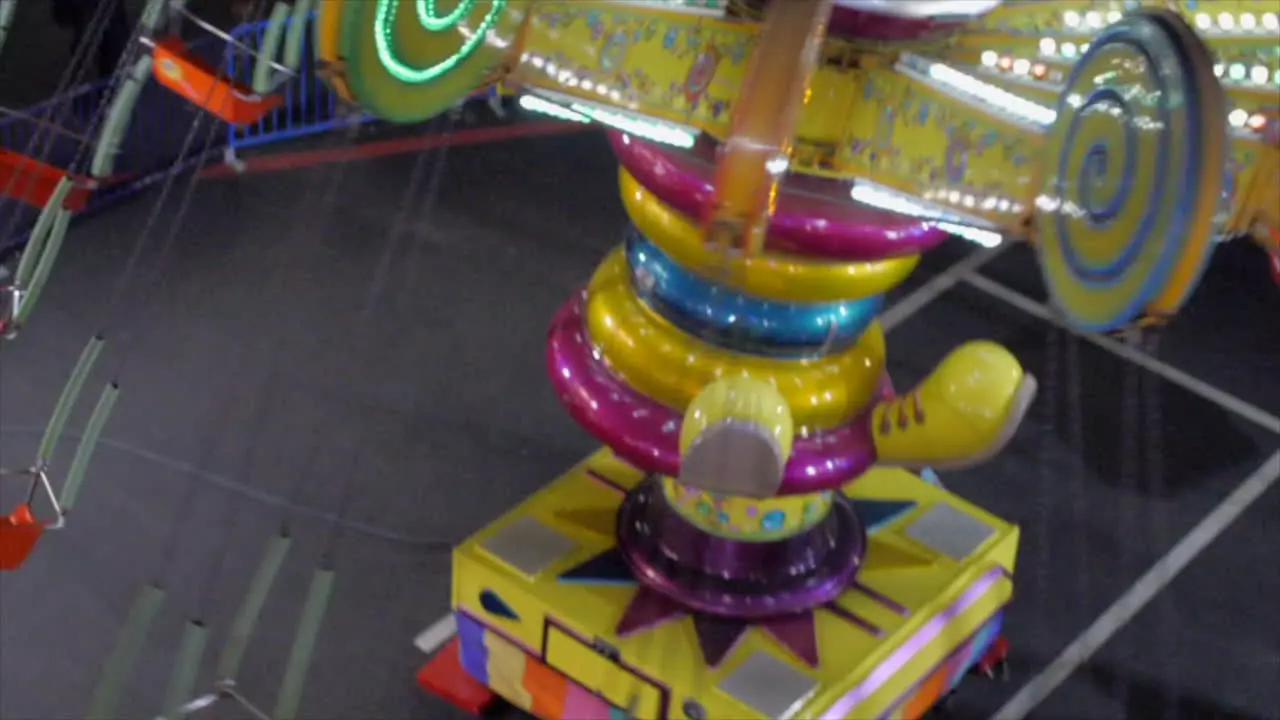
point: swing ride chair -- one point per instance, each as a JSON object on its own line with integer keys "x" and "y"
{"x": 171, "y": 63}
{"x": 775, "y": 448}
{"x": 22, "y": 529}
{"x": 58, "y": 194}
{"x": 176, "y": 67}
{"x": 62, "y": 193}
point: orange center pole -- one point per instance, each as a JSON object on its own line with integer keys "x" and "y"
{"x": 754, "y": 159}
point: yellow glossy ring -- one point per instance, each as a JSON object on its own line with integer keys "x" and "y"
{"x": 770, "y": 276}
{"x": 747, "y": 519}
{"x": 660, "y": 361}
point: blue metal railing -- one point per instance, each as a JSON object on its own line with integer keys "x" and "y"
{"x": 157, "y": 139}
{"x": 58, "y": 132}
{"x": 309, "y": 107}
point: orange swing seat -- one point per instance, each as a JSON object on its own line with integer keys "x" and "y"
{"x": 177, "y": 69}
{"x": 19, "y": 533}
{"x": 33, "y": 182}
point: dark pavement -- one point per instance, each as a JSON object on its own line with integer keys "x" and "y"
{"x": 257, "y": 392}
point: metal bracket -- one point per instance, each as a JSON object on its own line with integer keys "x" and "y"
{"x": 11, "y": 297}
{"x": 222, "y": 690}
{"x": 39, "y": 478}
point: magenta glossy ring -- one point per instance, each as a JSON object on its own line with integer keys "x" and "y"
{"x": 646, "y": 433}
{"x": 894, "y": 20}
{"x": 734, "y": 578}
{"x": 814, "y": 216}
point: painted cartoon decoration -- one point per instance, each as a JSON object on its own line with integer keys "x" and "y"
{"x": 701, "y": 74}
{"x": 958, "y": 148}
{"x": 613, "y": 53}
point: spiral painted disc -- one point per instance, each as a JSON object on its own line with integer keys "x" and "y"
{"x": 409, "y": 60}
{"x": 1133, "y": 176}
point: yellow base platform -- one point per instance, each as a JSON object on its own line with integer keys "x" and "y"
{"x": 537, "y": 601}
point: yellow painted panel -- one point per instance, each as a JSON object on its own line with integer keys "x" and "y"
{"x": 666, "y": 653}
{"x": 599, "y": 674}
{"x": 914, "y": 137}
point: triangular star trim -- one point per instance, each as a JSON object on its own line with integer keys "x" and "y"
{"x": 597, "y": 521}
{"x": 647, "y": 609}
{"x": 797, "y": 633}
{"x": 878, "y": 514}
{"x": 718, "y": 636}
{"x": 606, "y": 568}
{"x": 884, "y": 555}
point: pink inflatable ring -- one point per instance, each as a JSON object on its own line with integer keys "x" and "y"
{"x": 814, "y": 216}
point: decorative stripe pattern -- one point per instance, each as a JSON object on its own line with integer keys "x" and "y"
{"x": 524, "y": 681}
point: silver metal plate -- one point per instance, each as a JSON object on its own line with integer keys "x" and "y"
{"x": 528, "y": 545}
{"x": 769, "y": 685}
{"x": 948, "y": 531}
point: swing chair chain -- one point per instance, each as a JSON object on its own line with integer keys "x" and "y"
{"x": 1131, "y": 417}
{"x": 1154, "y": 435}
{"x": 178, "y": 13}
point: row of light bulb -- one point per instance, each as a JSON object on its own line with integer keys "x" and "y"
{"x": 1238, "y": 118}
{"x": 1247, "y": 22}
{"x": 971, "y": 202}
{"x": 1224, "y": 22}
{"x": 1236, "y": 72}
{"x": 1020, "y": 66}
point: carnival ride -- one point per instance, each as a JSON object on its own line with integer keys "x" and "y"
{"x": 782, "y": 169}
{"x": 780, "y": 177}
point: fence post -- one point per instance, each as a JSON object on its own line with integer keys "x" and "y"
{"x": 232, "y": 160}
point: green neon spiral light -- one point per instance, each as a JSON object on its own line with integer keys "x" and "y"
{"x": 427, "y": 15}
{"x": 432, "y": 22}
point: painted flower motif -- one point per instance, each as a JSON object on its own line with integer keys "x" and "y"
{"x": 670, "y": 38}
{"x": 773, "y": 520}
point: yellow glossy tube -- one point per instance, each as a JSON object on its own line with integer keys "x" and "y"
{"x": 672, "y": 367}
{"x": 771, "y": 276}
{"x": 328, "y": 28}
{"x": 744, "y": 399}
{"x": 753, "y": 159}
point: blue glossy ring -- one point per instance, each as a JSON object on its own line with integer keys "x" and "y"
{"x": 741, "y": 322}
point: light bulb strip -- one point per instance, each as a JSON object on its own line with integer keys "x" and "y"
{"x": 705, "y": 8}
{"x": 642, "y": 126}
{"x": 971, "y": 90}
{"x": 969, "y": 227}
{"x": 1222, "y": 24}
{"x": 1244, "y": 122}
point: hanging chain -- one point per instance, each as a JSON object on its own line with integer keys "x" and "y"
{"x": 1130, "y": 480}
{"x": 1158, "y": 500}
{"x": 1049, "y": 394}
{"x": 1079, "y": 477}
